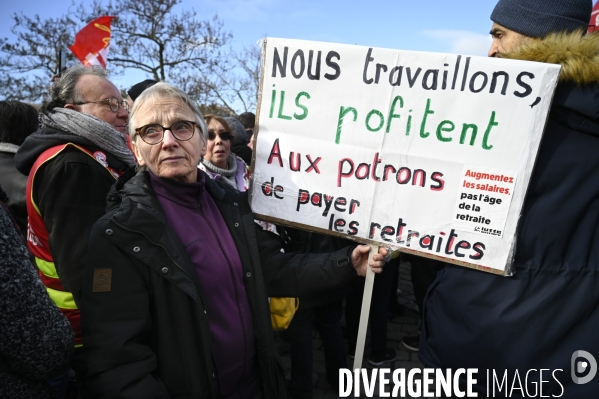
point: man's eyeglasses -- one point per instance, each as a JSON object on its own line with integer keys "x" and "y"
{"x": 225, "y": 136}
{"x": 112, "y": 102}
{"x": 154, "y": 133}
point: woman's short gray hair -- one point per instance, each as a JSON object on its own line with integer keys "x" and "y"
{"x": 163, "y": 89}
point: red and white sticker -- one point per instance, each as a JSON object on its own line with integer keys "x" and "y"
{"x": 101, "y": 157}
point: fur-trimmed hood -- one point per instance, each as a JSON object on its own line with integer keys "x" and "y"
{"x": 577, "y": 54}
{"x": 576, "y": 100}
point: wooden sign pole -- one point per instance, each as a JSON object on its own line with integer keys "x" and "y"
{"x": 365, "y": 313}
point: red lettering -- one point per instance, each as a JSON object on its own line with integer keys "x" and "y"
{"x": 313, "y": 164}
{"x": 341, "y": 173}
{"x": 295, "y": 164}
{"x": 275, "y": 152}
{"x": 362, "y": 171}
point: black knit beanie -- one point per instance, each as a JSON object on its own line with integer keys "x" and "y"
{"x": 538, "y": 18}
{"x": 239, "y": 135}
{"x": 137, "y": 89}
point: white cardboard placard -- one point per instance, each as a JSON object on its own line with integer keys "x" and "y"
{"x": 429, "y": 153}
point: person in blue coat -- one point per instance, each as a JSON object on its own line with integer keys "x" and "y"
{"x": 530, "y": 327}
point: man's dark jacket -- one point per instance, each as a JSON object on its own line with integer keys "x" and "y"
{"x": 145, "y": 327}
{"x": 14, "y": 183}
{"x": 309, "y": 242}
{"x": 70, "y": 191}
{"x": 549, "y": 309}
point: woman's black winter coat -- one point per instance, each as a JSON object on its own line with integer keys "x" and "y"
{"x": 145, "y": 328}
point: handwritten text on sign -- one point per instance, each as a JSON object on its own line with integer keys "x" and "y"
{"x": 424, "y": 151}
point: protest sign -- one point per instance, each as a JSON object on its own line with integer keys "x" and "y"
{"x": 425, "y": 152}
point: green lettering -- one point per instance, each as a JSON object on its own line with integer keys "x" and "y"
{"x": 465, "y": 128}
{"x": 342, "y": 112}
{"x": 441, "y": 128}
{"x": 427, "y": 112}
{"x": 492, "y": 123}
{"x": 273, "y": 98}
{"x": 281, "y": 104}
{"x": 381, "y": 120}
{"x": 301, "y": 117}
{"x": 392, "y": 113}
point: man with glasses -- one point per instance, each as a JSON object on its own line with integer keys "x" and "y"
{"x": 72, "y": 162}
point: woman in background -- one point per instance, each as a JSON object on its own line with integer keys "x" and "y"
{"x": 219, "y": 163}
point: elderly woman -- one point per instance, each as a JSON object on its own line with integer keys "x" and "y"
{"x": 219, "y": 163}
{"x": 178, "y": 274}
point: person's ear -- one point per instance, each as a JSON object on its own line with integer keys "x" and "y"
{"x": 71, "y": 106}
{"x": 137, "y": 152}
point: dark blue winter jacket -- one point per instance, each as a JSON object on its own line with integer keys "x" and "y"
{"x": 549, "y": 309}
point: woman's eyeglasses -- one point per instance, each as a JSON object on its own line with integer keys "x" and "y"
{"x": 225, "y": 136}
{"x": 154, "y": 133}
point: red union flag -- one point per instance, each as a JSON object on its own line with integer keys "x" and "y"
{"x": 91, "y": 42}
{"x": 594, "y": 24}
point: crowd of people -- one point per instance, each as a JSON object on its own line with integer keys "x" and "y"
{"x": 174, "y": 280}
{"x": 130, "y": 257}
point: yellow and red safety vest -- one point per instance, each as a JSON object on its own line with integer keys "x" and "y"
{"x": 37, "y": 238}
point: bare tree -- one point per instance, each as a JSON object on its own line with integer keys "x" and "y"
{"x": 230, "y": 87}
{"x": 153, "y": 36}
{"x": 27, "y": 64}
{"x": 242, "y": 84}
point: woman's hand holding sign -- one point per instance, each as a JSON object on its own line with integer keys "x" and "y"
{"x": 359, "y": 258}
